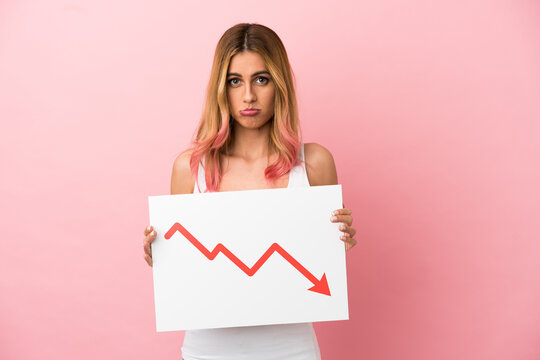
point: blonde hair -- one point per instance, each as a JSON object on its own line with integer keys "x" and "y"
{"x": 214, "y": 132}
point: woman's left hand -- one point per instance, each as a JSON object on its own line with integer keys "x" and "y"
{"x": 344, "y": 216}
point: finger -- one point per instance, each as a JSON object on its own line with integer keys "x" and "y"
{"x": 345, "y": 237}
{"x": 151, "y": 236}
{"x": 344, "y": 211}
{"x": 148, "y": 241}
{"x": 148, "y": 248}
{"x": 148, "y": 260}
{"x": 351, "y": 242}
{"x": 347, "y": 230}
{"x": 148, "y": 230}
{"x": 347, "y": 219}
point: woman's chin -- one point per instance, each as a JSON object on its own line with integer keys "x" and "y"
{"x": 251, "y": 122}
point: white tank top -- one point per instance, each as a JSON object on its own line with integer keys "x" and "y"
{"x": 266, "y": 342}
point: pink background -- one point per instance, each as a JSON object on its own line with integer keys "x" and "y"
{"x": 431, "y": 110}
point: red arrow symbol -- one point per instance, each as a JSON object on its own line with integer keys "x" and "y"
{"x": 320, "y": 286}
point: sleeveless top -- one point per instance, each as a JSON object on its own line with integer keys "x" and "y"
{"x": 264, "y": 342}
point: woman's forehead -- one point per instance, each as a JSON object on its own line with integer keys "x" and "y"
{"x": 247, "y": 62}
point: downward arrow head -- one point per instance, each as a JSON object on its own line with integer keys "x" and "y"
{"x": 321, "y": 286}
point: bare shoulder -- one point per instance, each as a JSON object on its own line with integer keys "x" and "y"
{"x": 320, "y": 166}
{"x": 182, "y": 181}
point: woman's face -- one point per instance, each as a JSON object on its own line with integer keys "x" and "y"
{"x": 249, "y": 85}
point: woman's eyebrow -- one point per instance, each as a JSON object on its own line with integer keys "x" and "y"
{"x": 254, "y": 74}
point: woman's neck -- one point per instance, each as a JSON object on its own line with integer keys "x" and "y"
{"x": 250, "y": 144}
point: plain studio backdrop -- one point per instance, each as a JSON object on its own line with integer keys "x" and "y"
{"x": 431, "y": 110}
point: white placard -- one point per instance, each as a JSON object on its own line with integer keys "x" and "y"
{"x": 243, "y": 258}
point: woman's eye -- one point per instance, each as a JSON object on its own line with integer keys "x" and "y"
{"x": 236, "y": 81}
{"x": 262, "y": 77}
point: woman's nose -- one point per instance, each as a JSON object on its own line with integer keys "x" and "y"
{"x": 249, "y": 94}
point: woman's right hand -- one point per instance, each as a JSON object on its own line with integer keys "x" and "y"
{"x": 150, "y": 235}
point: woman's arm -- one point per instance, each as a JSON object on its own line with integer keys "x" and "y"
{"x": 320, "y": 167}
{"x": 182, "y": 181}
{"x": 321, "y": 170}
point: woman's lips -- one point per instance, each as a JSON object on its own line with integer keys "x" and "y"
{"x": 250, "y": 112}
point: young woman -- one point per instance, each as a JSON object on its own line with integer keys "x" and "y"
{"x": 249, "y": 138}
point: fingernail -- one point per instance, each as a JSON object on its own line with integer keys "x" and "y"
{"x": 341, "y": 227}
{"x": 148, "y": 228}
{"x": 334, "y": 212}
{"x": 333, "y": 218}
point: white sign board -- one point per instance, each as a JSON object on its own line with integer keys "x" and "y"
{"x": 245, "y": 258}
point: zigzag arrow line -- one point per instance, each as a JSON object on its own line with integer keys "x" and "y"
{"x": 320, "y": 286}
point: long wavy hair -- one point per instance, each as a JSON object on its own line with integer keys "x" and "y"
{"x": 215, "y": 129}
